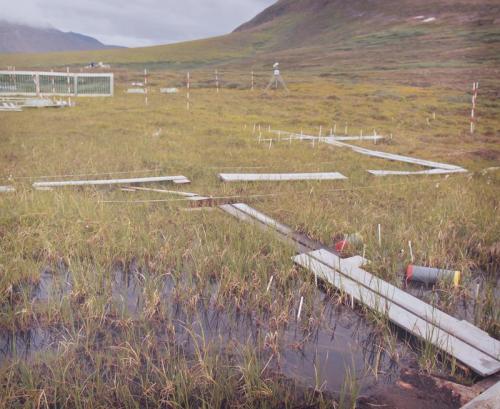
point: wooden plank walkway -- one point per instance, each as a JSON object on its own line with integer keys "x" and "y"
{"x": 279, "y": 177}
{"x": 460, "y": 339}
{"x": 157, "y": 179}
{"x": 421, "y": 172}
{"x": 393, "y": 156}
{"x": 489, "y": 399}
{"x": 248, "y": 214}
{"x": 480, "y": 362}
{"x": 437, "y": 167}
{"x": 452, "y": 335}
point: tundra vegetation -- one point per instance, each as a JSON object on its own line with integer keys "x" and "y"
{"x": 111, "y": 298}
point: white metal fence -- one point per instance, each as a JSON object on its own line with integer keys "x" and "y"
{"x": 34, "y": 83}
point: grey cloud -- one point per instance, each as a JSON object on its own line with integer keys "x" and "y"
{"x": 136, "y": 23}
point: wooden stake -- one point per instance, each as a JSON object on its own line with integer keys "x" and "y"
{"x": 411, "y": 251}
{"x": 269, "y": 285}
{"x": 379, "y": 235}
{"x": 188, "y": 90}
{"x": 300, "y": 308}
{"x": 146, "y": 86}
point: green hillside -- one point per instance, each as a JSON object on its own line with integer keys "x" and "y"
{"x": 326, "y": 35}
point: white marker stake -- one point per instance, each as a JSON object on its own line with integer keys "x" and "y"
{"x": 146, "y": 86}
{"x": 269, "y": 285}
{"x": 320, "y": 131}
{"x": 300, "y": 308}
{"x": 188, "y": 88}
{"x": 217, "y": 80}
{"x": 379, "y": 235}
{"x": 475, "y": 87}
{"x": 411, "y": 252}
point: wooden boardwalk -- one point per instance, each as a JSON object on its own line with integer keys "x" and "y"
{"x": 437, "y": 168}
{"x": 460, "y": 339}
{"x": 156, "y": 179}
{"x": 279, "y": 177}
{"x": 489, "y": 399}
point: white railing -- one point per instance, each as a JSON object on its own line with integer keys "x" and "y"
{"x": 35, "y": 83}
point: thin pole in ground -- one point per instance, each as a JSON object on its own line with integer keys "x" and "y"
{"x": 145, "y": 86}
{"x": 475, "y": 88}
{"x": 300, "y": 308}
{"x": 188, "y": 87}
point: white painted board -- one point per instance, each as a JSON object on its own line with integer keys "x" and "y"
{"x": 489, "y": 399}
{"x": 169, "y": 90}
{"x": 421, "y": 172}
{"x": 279, "y": 177}
{"x": 461, "y": 329}
{"x": 136, "y": 91}
{"x": 480, "y": 362}
{"x": 7, "y": 189}
{"x": 392, "y": 156}
{"x": 157, "y": 179}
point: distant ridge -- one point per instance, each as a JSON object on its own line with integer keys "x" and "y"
{"x": 21, "y": 38}
{"x": 424, "y": 41}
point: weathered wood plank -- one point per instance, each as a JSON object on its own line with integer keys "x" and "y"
{"x": 392, "y": 156}
{"x": 489, "y": 399}
{"x": 157, "y": 179}
{"x": 460, "y": 329}
{"x": 421, "y": 172}
{"x": 172, "y": 192}
{"x": 380, "y": 293}
{"x": 279, "y": 177}
{"x": 480, "y": 362}
{"x": 247, "y": 214}
{"x": 7, "y": 189}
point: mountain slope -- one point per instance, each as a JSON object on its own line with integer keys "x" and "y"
{"x": 352, "y": 36}
{"x": 19, "y": 38}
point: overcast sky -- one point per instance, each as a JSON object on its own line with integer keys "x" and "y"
{"x": 135, "y": 23}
